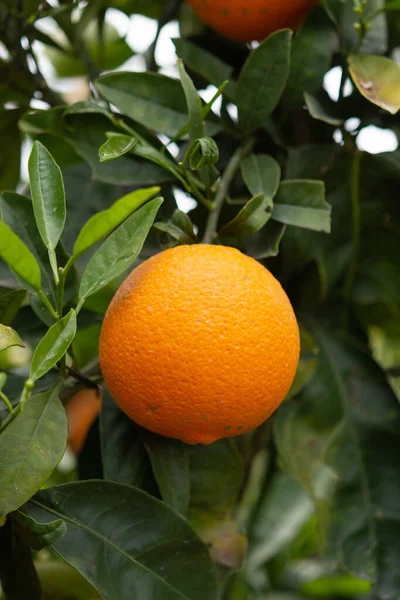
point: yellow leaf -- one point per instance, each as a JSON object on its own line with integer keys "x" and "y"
{"x": 378, "y": 79}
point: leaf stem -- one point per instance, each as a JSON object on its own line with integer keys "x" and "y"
{"x": 223, "y": 189}
{"x": 48, "y": 305}
{"x": 60, "y": 292}
{"x": 7, "y": 402}
{"x": 356, "y": 217}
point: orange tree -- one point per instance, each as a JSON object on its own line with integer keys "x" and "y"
{"x": 307, "y": 505}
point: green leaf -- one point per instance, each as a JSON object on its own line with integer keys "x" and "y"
{"x": 265, "y": 243}
{"x": 84, "y": 129}
{"x": 263, "y": 79}
{"x": 179, "y": 227}
{"x": 175, "y": 232}
{"x": 378, "y": 79}
{"x": 85, "y": 347}
{"x": 53, "y": 346}
{"x": 119, "y": 251}
{"x": 151, "y": 99}
{"x": 323, "y": 109}
{"x": 10, "y": 304}
{"x": 216, "y": 473}
{"x": 9, "y": 338}
{"x": 48, "y": 195}
{"x": 341, "y": 585}
{"x": 103, "y": 222}
{"x": 209, "y": 66}
{"x": 19, "y": 258}
{"x": 3, "y": 379}
{"x": 282, "y": 513}
{"x": 120, "y": 441}
{"x": 311, "y": 57}
{"x": 352, "y": 426}
{"x": 148, "y": 152}
{"x": 39, "y": 535}
{"x": 196, "y": 125}
{"x": 31, "y": 446}
{"x": 261, "y": 174}
{"x": 17, "y": 213}
{"x": 156, "y": 556}
{"x": 170, "y": 463}
{"x": 117, "y": 145}
{"x": 253, "y": 216}
{"x": 203, "y": 152}
{"x": 302, "y": 203}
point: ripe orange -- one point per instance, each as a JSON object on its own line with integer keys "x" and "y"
{"x": 247, "y": 20}
{"x": 199, "y": 343}
{"x": 82, "y": 410}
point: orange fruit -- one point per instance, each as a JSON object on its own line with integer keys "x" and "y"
{"x": 247, "y": 20}
{"x": 82, "y": 410}
{"x": 199, "y": 343}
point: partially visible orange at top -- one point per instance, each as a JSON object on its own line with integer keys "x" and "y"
{"x": 247, "y": 20}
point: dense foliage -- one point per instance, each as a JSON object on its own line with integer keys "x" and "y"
{"x": 307, "y": 505}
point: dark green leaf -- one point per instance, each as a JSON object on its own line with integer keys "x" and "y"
{"x": 124, "y": 457}
{"x": 286, "y": 502}
{"x": 119, "y": 251}
{"x": 263, "y": 79}
{"x": 151, "y": 99}
{"x": 157, "y": 555}
{"x": 39, "y": 535}
{"x": 146, "y": 151}
{"x": 348, "y": 409}
{"x": 103, "y": 222}
{"x": 170, "y": 464}
{"x": 117, "y": 145}
{"x": 9, "y": 337}
{"x": 261, "y": 174}
{"x": 209, "y": 66}
{"x": 18, "y": 257}
{"x": 85, "y": 131}
{"x": 48, "y": 195}
{"x": 265, "y": 243}
{"x": 311, "y": 57}
{"x": 203, "y": 152}
{"x": 10, "y": 304}
{"x": 216, "y": 473}
{"x": 17, "y": 213}
{"x": 31, "y": 446}
{"x": 253, "y": 216}
{"x": 179, "y": 227}
{"x": 322, "y": 109}
{"x": 196, "y": 125}
{"x": 53, "y": 346}
{"x": 302, "y": 203}
{"x": 175, "y": 232}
